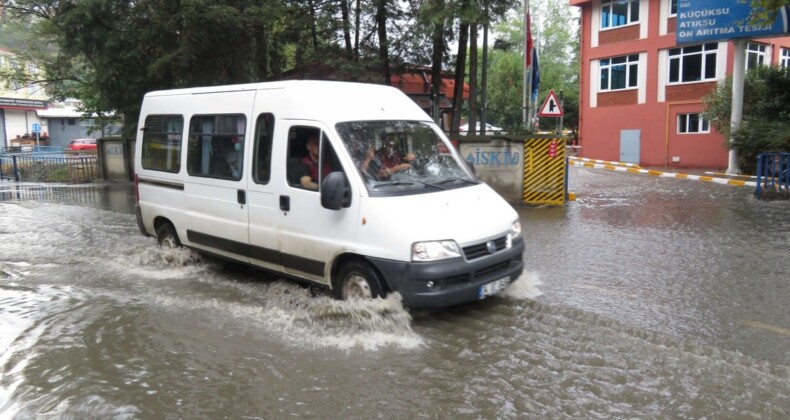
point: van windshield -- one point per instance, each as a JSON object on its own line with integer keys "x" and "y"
{"x": 403, "y": 157}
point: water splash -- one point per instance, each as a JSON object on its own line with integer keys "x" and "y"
{"x": 525, "y": 287}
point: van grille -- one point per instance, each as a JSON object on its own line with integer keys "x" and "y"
{"x": 473, "y": 252}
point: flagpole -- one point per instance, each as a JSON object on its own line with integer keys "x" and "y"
{"x": 527, "y": 81}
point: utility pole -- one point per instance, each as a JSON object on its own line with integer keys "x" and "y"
{"x": 736, "y": 111}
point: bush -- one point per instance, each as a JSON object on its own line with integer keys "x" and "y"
{"x": 755, "y": 137}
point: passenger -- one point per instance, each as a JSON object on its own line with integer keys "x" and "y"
{"x": 309, "y": 170}
{"x": 234, "y": 159}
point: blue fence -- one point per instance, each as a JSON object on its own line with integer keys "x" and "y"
{"x": 24, "y": 150}
{"x": 773, "y": 176}
{"x": 49, "y": 167}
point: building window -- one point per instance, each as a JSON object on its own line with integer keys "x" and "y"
{"x": 755, "y": 55}
{"x": 673, "y": 8}
{"x": 616, "y": 13}
{"x": 785, "y": 58}
{"x": 619, "y": 72}
{"x": 692, "y": 64}
{"x": 692, "y": 123}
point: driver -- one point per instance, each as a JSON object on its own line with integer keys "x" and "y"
{"x": 392, "y": 161}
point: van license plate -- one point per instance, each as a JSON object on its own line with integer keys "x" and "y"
{"x": 493, "y": 288}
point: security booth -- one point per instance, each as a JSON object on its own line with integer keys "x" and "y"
{"x": 531, "y": 171}
{"x": 498, "y": 161}
{"x": 116, "y": 158}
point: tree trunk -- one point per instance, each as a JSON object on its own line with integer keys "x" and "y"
{"x": 346, "y": 29}
{"x": 381, "y": 23}
{"x": 313, "y": 31}
{"x": 436, "y": 71}
{"x": 473, "y": 80}
{"x": 460, "y": 70}
{"x": 357, "y": 17}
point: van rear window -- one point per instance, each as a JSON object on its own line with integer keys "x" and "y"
{"x": 162, "y": 143}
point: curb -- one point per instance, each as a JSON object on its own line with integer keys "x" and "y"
{"x": 637, "y": 170}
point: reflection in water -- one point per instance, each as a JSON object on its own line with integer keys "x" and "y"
{"x": 645, "y": 298}
{"x": 113, "y": 196}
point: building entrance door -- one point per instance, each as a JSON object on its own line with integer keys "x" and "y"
{"x": 629, "y": 146}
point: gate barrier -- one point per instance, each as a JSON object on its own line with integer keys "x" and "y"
{"x": 545, "y": 171}
{"x": 773, "y": 176}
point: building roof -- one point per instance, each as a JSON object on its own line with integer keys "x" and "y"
{"x": 64, "y": 112}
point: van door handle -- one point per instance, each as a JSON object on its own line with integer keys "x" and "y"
{"x": 241, "y": 196}
{"x": 285, "y": 203}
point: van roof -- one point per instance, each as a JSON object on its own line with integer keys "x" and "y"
{"x": 324, "y": 100}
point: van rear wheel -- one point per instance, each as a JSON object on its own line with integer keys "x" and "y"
{"x": 167, "y": 237}
{"x": 357, "y": 280}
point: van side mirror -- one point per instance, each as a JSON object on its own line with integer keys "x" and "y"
{"x": 335, "y": 192}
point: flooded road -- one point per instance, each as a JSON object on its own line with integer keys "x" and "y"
{"x": 647, "y": 297}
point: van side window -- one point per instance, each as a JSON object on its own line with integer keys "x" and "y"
{"x": 310, "y": 158}
{"x": 162, "y": 143}
{"x": 262, "y": 160}
{"x": 216, "y": 146}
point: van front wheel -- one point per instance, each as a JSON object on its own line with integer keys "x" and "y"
{"x": 167, "y": 237}
{"x": 357, "y": 280}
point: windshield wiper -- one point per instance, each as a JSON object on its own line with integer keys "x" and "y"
{"x": 445, "y": 181}
{"x": 402, "y": 183}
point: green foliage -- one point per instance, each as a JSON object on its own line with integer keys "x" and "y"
{"x": 558, "y": 56}
{"x": 765, "y": 126}
{"x": 764, "y": 12}
{"x": 759, "y": 136}
{"x": 109, "y": 54}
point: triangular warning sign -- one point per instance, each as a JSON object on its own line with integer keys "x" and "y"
{"x": 551, "y": 107}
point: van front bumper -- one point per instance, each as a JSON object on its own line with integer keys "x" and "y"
{"x": 449, "y": 282}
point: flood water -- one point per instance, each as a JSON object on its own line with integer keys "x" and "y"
{"x": 646, "y": 297}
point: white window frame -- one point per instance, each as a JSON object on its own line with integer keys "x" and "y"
{"x": 632, "y": 6}
{"x": 631, "y": 65}
{"x": 706, "y": 50}
{"x": 759, "y": 52}
{"x": 685, "y": 124}
{"x": 670, "y": 12}
{"x": 784, "y": 57}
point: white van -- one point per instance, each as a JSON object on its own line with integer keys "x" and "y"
{"x": 384, "y": 204}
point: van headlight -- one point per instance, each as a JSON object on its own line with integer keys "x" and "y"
{"x": 514, "y": 233}
{"x": 434, "y": 250}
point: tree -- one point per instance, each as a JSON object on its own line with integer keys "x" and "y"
{"x": 558, "y": 53}
{"x": 764, "y": 12}
{"x": 109, "y": 54}
{"x": 766, "y": 114}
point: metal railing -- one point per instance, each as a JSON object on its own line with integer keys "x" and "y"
{"x": 773, "y": 176}
{"x": 43, "y": 167}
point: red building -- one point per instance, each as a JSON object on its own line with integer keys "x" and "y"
{"x": 640, "y": 99}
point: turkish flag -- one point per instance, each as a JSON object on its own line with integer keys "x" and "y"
{"x": 528, "y": 40}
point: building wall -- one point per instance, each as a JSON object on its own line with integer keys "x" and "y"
{"x": 18, "y": 103}
{"x": 654, "y": 104}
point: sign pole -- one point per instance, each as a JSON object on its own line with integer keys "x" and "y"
{"x": 736, "y": 111}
